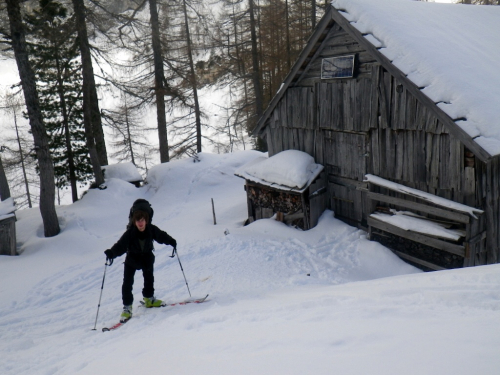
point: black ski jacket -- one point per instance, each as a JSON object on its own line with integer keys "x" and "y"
{"x": 138, "y": 257}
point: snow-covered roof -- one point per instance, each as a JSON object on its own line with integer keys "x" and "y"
{"x": 451, "y": 51}
{"x": 7, "y": 208}
{"x": 123, "y": 171}
{"x": 290, "y": 170}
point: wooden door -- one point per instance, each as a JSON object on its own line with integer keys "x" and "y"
{"x": 346, "y": 158}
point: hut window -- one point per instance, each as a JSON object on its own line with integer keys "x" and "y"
{"x": 337, "y": 67}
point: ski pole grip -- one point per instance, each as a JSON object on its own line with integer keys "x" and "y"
{"x": 173, "y": 252}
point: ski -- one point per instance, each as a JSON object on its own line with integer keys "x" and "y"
{"x": 116, "y": 326}
{"x": 185, "y": 302}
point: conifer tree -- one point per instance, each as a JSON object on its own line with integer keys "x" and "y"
{"x": 47, "y": 185}
{"x": 162, "y": 40}
{"x": 259, "y": 42}
{"x": 142, "y": 74}
{"x": 17, "y": 162}
{"x": 184, "y": 37}
{"x": 91, "y": 116}
{"x": 58, "y": 72}
{"x": 129, "y": 134}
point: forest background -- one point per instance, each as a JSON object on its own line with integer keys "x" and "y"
{"x": 143, "y": 81}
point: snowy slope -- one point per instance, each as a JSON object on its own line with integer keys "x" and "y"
{"x": 361, "y": 310}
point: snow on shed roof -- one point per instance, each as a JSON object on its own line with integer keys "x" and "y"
{"x": 289, "y": 170}
{"x": 451, "y": 51}
{"x": 123, "y": 171}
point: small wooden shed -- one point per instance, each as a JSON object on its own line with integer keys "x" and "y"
{"x": 7, "y": 227}
{"x": 300, "y": 206}
{"x": 371, "y": 123}
{"x": 123, "y": 171}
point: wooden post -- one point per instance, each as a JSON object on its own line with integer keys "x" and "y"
{"x": 213, "y": 211}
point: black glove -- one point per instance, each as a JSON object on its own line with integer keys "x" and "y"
{"x": 109, "y": 256}
{"x": 173, "y": 243}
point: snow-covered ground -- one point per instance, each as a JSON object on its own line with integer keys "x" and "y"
{"x": 361, "y": 310}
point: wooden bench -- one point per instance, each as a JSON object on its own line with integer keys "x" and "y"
{"x": 435, "y": 210}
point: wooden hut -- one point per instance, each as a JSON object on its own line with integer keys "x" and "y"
{"x": 7, "y": 227}
{"x": 373, "y": 127}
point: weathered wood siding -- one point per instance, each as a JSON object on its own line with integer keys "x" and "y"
{"x": 8, "y": 236}
{"x": 372, "y": 124}
{"x": 491, "y": 185}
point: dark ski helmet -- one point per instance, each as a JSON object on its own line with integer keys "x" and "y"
{"x": 141, "y": 205}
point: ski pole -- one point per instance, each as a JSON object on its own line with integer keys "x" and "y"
{"x": 173, "y": 255}
{"x": 102, "y": 287}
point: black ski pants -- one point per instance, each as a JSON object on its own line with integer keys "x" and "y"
{"x": 128, "y": 282}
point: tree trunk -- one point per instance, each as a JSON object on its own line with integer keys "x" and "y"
{"x": 255, "y": 64}
{"x": 129, "y": 135}
{"x": 193, "y": 81}
{"x": 313, "y": 14}
{"x": 91, "y": 114}
{"x": 236, "y": 44}
{"x": 47, "y": 184}
{"x": 160, "y": 89}
{"x": 97, "y": 130}
{"x": 67, "y": 134}
{"x": 288, "y": 45}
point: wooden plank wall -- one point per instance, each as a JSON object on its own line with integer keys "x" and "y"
{"x": 317, "y": 199}
{"x": 8, "y": 236}
{"x": 492, "y": 217}
{"x": 372, "y": 124}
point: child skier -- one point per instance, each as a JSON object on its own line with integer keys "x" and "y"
{"x": 137, "y": 242}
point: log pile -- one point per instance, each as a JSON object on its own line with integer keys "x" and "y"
{"x": 278, "y": 201}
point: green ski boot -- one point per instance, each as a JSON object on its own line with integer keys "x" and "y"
{"x": 152, "y": 302}
{"x": 126, "y": 313}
